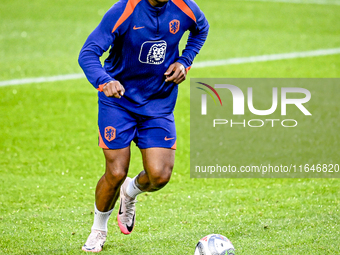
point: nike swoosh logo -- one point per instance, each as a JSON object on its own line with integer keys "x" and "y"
{"x": 120, "y": 207}
{"x": 130, "y": 228}
{"x": 168, "y": 139}
{"x": 136, "y": 28}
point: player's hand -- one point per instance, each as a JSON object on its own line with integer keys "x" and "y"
{"x": 175, "y": 73}
{"x": 114, "y": 89}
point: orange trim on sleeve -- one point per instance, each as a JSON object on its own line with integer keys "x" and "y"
{"x": 100, "y": 87}
{"x": 101, "y": 142}
{"x": 130, "y": 6}
{"x": 187, "y": 69}
{"x": 185, "y": 8}
{"x": 174, "y": 146}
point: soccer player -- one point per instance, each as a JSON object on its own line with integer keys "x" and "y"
{"x": 138, "y": 88}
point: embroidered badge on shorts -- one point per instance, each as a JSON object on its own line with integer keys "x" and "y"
{"x": 110, "y": 133}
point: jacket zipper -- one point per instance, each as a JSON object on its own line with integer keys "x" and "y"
{"x": 157, "y": 24}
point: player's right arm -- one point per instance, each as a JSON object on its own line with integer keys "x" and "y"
{"x": 96, "y": 44}
{"x": 113, "y": 89}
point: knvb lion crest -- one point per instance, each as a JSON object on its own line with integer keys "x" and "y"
{"x": 156, "y": 53}
{"x": 110, "y": 133}
{"x": 153, "y": 52}
{"x": 174, "y": 26}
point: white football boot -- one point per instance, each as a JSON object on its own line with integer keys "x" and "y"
{"x": 95, "y": 241}
{"x": 127, "y": 210}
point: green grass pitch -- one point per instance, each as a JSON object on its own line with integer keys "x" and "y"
{"x": 50, "y": 162}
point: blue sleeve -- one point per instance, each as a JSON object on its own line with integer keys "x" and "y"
{"x": 96, "y": 44}
{"x": 198, "y": 35}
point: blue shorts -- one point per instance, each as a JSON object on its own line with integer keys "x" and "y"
{"x": 118, "y": 127}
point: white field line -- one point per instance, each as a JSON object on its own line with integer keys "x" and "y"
{"x": 203, "y": 64}
{"x": 264, "y": 58}
{"x": 322, "y": 2}
{"x": 42, "y": 79}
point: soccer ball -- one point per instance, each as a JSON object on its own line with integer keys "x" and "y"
{"x": 214, "y": 245}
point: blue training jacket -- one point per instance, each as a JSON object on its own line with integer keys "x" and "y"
{"x": 144, "y": 43}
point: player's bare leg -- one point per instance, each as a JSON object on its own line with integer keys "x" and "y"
{"x": 107, "y": 192}
{"x": 117, "y": 165}
{"x": 158, "y": 164}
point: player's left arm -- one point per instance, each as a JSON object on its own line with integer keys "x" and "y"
{"x": 176, "y": 73}
{"x": 197, "y": 37}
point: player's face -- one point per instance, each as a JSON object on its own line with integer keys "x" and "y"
{"x": 158, "y": 3}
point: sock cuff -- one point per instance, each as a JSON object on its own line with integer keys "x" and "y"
{"x": 132, "y": 189}
{"x": 134, "y": 180}
{"x": 102, "y": 213}
{"x": 100, "y": 219}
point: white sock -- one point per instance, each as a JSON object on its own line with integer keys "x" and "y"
{"x": 132, "y": 190}
{"x": 100, "y": 219}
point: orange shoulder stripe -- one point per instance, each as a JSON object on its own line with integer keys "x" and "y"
{"x": 130, "y": 7}
{"x": 185, "y": 8}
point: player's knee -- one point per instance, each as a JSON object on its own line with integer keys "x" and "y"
{"x": 161, "y": 179}
{"x": 116, "y": 175}
{"x": 159, "y": 183}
